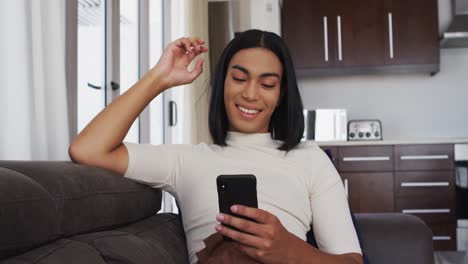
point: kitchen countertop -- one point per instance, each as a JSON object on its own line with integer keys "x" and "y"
{"x": 394, "y": 142}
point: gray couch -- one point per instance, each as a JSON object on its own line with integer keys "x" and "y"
{"x": 61, "y": 212}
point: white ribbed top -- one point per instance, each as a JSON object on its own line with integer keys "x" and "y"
{"x": 299, "y": 188}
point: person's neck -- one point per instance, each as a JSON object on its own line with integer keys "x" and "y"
{"x": 250, "y": 139}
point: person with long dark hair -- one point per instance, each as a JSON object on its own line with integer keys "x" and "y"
{"x": 256, "y": 124}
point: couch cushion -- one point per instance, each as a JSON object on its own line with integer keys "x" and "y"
{"x": 27, "y": 213}
{"x": 59, "y": 252}
{"x": 83, "y": 198}
{"x": 157, "y": 239}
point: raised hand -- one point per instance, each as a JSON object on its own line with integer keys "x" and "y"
{"x": 172, "y": 66}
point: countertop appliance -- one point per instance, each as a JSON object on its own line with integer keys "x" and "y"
{"x": 325, "y": 125}
{"x": 369, "y": 129}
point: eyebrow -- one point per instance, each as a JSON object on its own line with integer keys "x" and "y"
{"x": 263, "y": 75}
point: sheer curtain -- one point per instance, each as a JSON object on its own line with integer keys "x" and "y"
{"x": 33, "y": 99}
{"x": 197, "y": 93}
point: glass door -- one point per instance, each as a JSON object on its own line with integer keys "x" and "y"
{"x": 129, "y": 55}
{"x": 91, "y": 60}
{"x": 118, "y": 42}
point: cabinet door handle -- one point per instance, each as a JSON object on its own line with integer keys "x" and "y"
{"x": 366, "y": 158}
{"x": 346, "y": 187}
{"x": 325, "y": 37}
{"x": 441, "y": 238}
{"x": 424, "y": 184}
{"x": 94, "y": 86}
{"x": 425, "y": 211}
{"x": 390, "y": 33}
{"x": 425, "y": 157}
{"x": 338, "y": 23}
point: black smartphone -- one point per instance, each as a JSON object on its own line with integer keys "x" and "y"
{"x": 236, "y": 189}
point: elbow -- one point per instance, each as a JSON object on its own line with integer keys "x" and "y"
{"x": 86, "y": 154}
{"x": 78, "y": 154}
{"x": 74, "y": 153}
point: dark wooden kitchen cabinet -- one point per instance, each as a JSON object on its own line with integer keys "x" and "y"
{"x": 360, "y": 24}
{"x": 304, "y": 30}
{"x": 367, "y": 175}
{"x": 365, "y": 158}
{"x": 362, "y": 36}
{"x": 369, "y": 192}
{"x": 425, "y": 187}
{"x": 415, "y": 29}
{"x": 424, "y": 157}
{"x": 416, "y": 179}
{"x": 367, "y": 172}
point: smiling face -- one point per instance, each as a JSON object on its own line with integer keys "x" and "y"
{"x": 252, "y": 89}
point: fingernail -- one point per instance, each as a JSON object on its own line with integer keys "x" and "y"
{"x": 220, "y": 217}
{"x": 218, "y": 228}
{"x": 234, "y": 209}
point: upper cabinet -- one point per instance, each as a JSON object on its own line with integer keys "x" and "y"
{"x": 304, "y": 27}
{"x": 414, "y": 33}
{"x": 358, "y": 29}
{"x": 361, "y": 36}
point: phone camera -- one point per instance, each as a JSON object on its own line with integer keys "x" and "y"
{"x": 223, "y": 188}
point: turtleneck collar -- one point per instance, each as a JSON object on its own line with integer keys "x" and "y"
{"x": 245, "y": 139}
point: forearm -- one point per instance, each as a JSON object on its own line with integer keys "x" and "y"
{"x": 108, "y": 129}
{"x": 307, "y": 254}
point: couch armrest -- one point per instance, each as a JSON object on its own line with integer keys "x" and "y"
{"x": 389, "y": 238}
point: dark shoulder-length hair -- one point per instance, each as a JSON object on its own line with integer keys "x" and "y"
{"x": 287, "y": 121}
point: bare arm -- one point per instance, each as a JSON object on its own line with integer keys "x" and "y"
{"x": 100, "y": 142}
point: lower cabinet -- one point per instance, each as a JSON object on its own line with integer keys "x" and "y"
{"x": 370, "y": 192}
{"x": 444, "y": 235}
{"x": 425, "y": 187}
{"x": 413, "y": 179}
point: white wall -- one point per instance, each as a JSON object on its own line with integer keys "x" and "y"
{"x": 409, "y": 105}
{"x": 258, "y": 14}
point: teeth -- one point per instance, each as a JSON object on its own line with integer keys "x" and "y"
{"x": 248, "y": 111}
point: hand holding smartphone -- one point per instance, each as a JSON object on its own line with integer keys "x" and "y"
{"x": 236, "y": 189}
